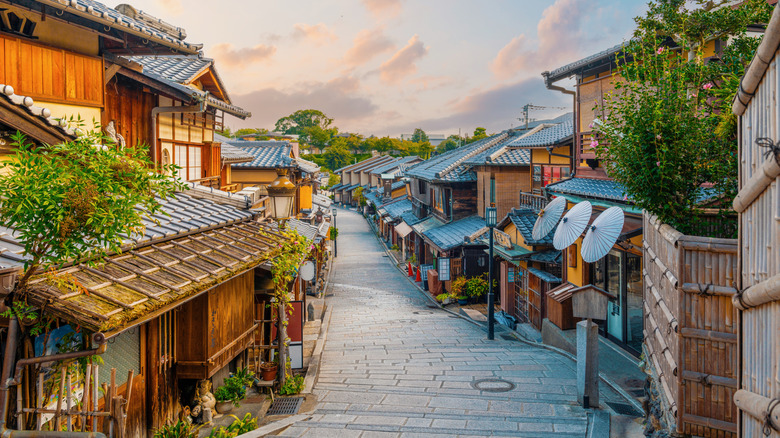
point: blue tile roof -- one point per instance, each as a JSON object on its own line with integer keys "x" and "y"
{"x": 524, "y": 220}
{"x": 591, "y": 188}
{"x": 547, "y": 136}
{"x": 396, "y": 209}
{"x": 484, "y": 156}
{"x": 451, "y": 235}
{"x": 549, "y": 256}
{"x": 397, "y": 185}
{"x": 337, "y": 187}
{"x": 266, "y": 154}
{"x": 584, "y": 63}
{"x": 397, "y": 164}
{"x": 410, "y": 218}
{"x": 545, "y": 276}
{"x": 373, "y": 198}
{"x": 451, "y": 166}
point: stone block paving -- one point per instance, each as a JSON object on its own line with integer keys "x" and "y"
{"x": 395, "y": 367}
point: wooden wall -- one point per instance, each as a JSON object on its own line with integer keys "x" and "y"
{"x": 510, "y": 181}
{"x": 50, "y": 74}
{"x": 691, "y": 328}
{"x": 130, "y": 107}
{"x": 464, "y": 200}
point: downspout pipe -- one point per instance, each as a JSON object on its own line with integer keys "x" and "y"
{"x": 199, "y": 108}
{"x": 6, "y": 381}
{"x": 573, "y": 94}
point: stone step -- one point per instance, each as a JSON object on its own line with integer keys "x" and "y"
{"x": 425, "y": 428}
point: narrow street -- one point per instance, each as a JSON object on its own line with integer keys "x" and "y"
{"x": 394, "y": 365}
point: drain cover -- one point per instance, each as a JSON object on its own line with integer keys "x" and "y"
{"x": 285, "y": 406}
{"x": 624, "y": 409}
{"x": 408, "y": 321}
{"x": 493, "y": 385}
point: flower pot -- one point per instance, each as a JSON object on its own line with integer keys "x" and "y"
{"x": 463, "y": 301}
{"x": 224, "y": 407}
{"x": 268, "y": 373}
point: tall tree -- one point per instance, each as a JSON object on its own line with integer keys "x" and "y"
{"x": 297, "y": 122}
{"x": 419, "y": 136}
{"x": 479, "y": 134}
{"x": 337, "y": 156}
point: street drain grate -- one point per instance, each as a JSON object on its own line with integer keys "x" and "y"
{"x": 624, "y": 409}
{"x": 285, "y": 406}
{"x": 493, "y": 385}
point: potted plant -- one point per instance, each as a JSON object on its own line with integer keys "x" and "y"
{"x": 292, "y": 385}
{"x": 459, "y": 290}
{"x": 246, "y": 377}
{"x": 268, "y": 370}
{"x": 230, "y": 394}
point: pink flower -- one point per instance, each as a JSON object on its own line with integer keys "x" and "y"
{"x": 658, "y": 163}
{"x": 590, "y": 125}
{"x": 594, "y": 143}
{"x": 625, "y": 197}
{"x": 707, "y": 86}
{"x": 660, "y": 50}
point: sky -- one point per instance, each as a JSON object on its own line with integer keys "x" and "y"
{"x": 386, "y": 67}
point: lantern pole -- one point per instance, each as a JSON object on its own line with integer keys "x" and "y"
{"x": 490, "y": 220}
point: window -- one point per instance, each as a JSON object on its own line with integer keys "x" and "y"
{"x": 447, "y": 202}
{"x": 492, "y": 190}
{"x": 189, "y": 159}
{"x": 545, "y": 175}
{"x": 421, "y": 189}
{"x": 166, "y": 157}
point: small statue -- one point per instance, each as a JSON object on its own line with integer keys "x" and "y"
{"x": 117, "y": 137}
{"x": 204, "y": 402}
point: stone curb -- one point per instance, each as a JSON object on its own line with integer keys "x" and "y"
{"x": 275, "y": 426}
{"x": 614, "y": 386}
{"x": 313, "y": 372}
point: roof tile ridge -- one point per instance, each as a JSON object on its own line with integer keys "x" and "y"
{"x": 470, "y": 154}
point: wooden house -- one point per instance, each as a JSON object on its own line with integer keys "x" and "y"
{"x": 620, "y": 272}
{"x": 758, "y": 204}
{"x": 350, "y": 180}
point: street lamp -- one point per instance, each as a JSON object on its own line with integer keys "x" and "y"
{"x": 282, "y": 194}
{"x": 490, "y": 221}
{"x": 335, "y": 244}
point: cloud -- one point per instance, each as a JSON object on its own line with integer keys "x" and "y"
{"x": 173, "y": 7}
{"x": 338, "y": 98}
{"x": 432, "y": 82}
{"x": 318, "y": 34}
{"x": 496, "y": 109}
{"x": 403, "y": 62}
{"x": 240, "y": 58}
{"x": 383, "y": 8}
{"x": 559, "y": 38}
{"x": 366, "y": 45}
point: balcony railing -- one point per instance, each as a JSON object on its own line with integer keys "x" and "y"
{"x": 585, "y": 140}
{"x": 534, "y": 202}
{"x": 209, "y": 181}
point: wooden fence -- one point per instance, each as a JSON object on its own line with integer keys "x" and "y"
{"x": 691, "y": 328}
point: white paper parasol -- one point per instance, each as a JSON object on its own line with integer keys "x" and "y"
{"x": 602, "y": 234}
{"x": 572, "y": 225}
{"x": 548, "y": 217}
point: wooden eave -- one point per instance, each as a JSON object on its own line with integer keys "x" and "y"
{"x": 30, "y": 125}
{"x": 159, "y": 86}
{"x": 212, "y": 83}
{"x": 133, "y": 287}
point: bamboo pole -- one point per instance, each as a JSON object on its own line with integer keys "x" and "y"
{"x": 95, "y": 396}
{"x": 758, "y": 294}
{"x": 757, "y": 184}
{"x": 39, "y": 401}
{"x": 69, "y": 403}
{"x": 19, "y": 405}
{"x": 85, "y": 399}
{"x": 757, "y": 405}
{"x": 57, "y": 420}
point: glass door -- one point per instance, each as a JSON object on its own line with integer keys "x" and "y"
{"x": 614, "y": 275}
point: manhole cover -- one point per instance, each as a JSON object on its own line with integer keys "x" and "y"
{"x": 408, "y": 321}
{"x": 493, "y": 385}
{"x": 624, "y": 409}
{"x": 285, "y": 406}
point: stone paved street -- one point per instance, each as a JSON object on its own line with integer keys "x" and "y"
{"x": 395, "y": 366}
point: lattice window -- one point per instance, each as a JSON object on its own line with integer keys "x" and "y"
{"x": 167, "y": 340}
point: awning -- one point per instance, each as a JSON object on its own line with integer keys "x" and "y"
{"x": 402, "y": 229}
{"x": 427, "y": 224}
{"x": 516, "y": 253}
{"x": 544, "y": 276}
{"x": 137, "y": 285}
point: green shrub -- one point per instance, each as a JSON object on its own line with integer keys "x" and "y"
{"x": 238, "y": 427}
{"x": 292, "y": 386}
{"x": 180, "y": 429}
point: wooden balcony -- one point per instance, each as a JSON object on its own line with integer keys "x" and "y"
{"x": 534, "y": 202}
{"x": 584, "y": 144}
{"x": 209, "y": 181}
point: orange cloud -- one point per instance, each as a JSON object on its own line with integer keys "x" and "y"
{"x": 240, "y": 58}
{"x": 403, "y": 62}
{"x": 366, "y": 45}
{"x": 318, "y": 34}
{"x": 554, "y": 46}
{"x": 173, "y": 7}
{"x": 383, "y": 8}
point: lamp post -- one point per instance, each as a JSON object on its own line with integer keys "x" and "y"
{"x": 282, "y": 194}
{"x": 335, "y": 244}
{"x": 490, "y": 221}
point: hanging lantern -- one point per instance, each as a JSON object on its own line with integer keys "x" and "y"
{"x": 282, "y": 194}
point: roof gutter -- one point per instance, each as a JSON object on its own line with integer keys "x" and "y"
{"x": 575, "y": 117}
{"x": 199, "y": 108}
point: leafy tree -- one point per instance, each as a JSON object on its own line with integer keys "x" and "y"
{"x": 76, "y": 201}
{"x": 226, "y": 132}
{"x": 479, "y": 134}
{"x": 358, "y": 195}
{"x": 317, "y": 136}
{"x": 250, "y": 131}
{"x": 333, "y": 179}
{"x": 419, "y": 136}
{"x": 354, "y": 143}
{"x": 337, "y": 156}
{"x": 666, "y": 126}
{"x": 296, "y": 122}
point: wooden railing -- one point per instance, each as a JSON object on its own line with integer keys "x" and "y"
{"x": 585, "y": 140}
{"x": 690, "y": 337}
{"x": 534, "y": 202}
{"x": 209, "y": 181}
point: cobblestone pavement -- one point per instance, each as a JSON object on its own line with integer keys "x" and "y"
{"x": 393, "y": 366}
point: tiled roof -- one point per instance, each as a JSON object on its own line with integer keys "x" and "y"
{"x": 170, "y": 70}
{"x": 307, "y": 166}
{"x": 266, "y": 154}
{"x": 373, "y": 198}
{"x": 451, "y": 166}
{"x": 549, "y": 256}
{"x": 27, "y": 104}
{"x": 546, "y": 137}
{"x": 321, "y": 200}
{"x": 231, "y": 154}
{"x": 359, "y": 164}
{"x": 545, "y": 276}
{"x": 397, "y": 185}
{"x": 410, "y": 218}
{"x": 451, "y": 235}
{"x": 398, "y": 164}
{"x": 534, "y": 124}
{"x": 591, "y": 188}
{"x": 396, "y": 209}
{"x": 108, "y": 17}
{"x": 337, "y": 187}
{"x": 353, "y": 187}
{"x": 524, "y": 220}
{"x": 512, "y": 157}
{"x": 304, "y": 229}
{"x": 426, "y": 224}
{"x": 583, "y": 64}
